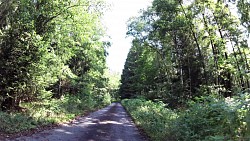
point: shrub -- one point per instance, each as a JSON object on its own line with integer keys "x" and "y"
{"x": 11, "y": 123}
{"x": 152, "y": 117}
{"x": 214, "y": 119}
{"x": 206, "y": 119}
{"x": 46, "y": 112}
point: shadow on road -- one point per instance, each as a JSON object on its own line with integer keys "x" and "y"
{"x": 109, "y": 124}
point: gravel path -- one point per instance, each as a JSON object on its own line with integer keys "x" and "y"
{"x": 108, "y": 124}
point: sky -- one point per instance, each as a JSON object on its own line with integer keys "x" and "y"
{"x": 115, "y": 21}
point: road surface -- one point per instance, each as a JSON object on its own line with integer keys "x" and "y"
{"x": 108, "y": 124}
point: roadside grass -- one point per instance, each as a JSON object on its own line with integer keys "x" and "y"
{"x": 152, "y": 117}
{"x": 206, "y": 119}
{"x": 46, "y": 112}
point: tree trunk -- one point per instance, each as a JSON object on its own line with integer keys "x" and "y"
{"x": 198, "y": 46}
{"x": 226, "y": 82}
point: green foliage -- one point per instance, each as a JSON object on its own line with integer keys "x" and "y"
{"x": 194, "y": 56}
{"x": 213, "y": 119}
{"x": 243, "y": 8}
{"x": 113, "y": 85}
{"x": 152, "y": 117}
{"x": 129, "y": 78}
{"x": 47, "y": 112}
{"x": 180, "y": 48}
{"x": 11, "y": 123}
{"x": 52, "y": 61}
{"x": 51, "y": 48}
{"x": 207, "y": 118}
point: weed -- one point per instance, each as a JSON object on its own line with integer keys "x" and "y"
{"x": 208, "y": 119}
{"x": 45, "y": 113}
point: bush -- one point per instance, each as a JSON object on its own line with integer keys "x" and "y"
{"x": 206, "y": 119}
{"x": 46, "y": 112}
{"x": 213, "y": 119}
{"x": 152, "y": 117}
{"x": 11, "y": 123}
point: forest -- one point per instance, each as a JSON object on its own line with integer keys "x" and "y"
{"x": 186, "y": 76}
{"x": 52, "y": 62}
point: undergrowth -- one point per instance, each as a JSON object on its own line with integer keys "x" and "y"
{"x": 46, "y": 112}
{"x": 152, "y": 117}
{"x": 206, "y": 119}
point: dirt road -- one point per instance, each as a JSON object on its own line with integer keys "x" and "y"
{"x": 109, "y": 124}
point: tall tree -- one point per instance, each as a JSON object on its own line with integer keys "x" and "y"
{"x": 199, "y": 47}
{"x": 44, "y": 45}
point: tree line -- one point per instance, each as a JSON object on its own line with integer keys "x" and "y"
{"x": 182, "y": 50}
{"x": 51, "y": 48}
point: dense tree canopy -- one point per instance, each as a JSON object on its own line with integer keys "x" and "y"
{"x": 49, "y": 48}
{"x": 186, "y": 76}
{"x": 186, "y": 49}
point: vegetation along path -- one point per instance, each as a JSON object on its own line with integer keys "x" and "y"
{"x": 110, "y": 123}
